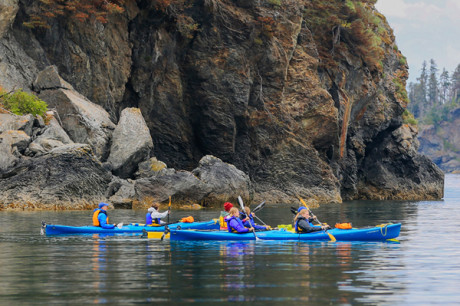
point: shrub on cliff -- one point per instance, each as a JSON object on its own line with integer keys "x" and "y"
{"x": 20, "y": 103}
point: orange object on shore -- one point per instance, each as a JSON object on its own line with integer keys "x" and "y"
{"x": 343, "y": 225}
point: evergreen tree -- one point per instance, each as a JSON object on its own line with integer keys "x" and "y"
{"x": 455, "y": 86}
{"x": 433, "y": 85}
{"x": 444, "y": 85}
{"x": 421, "y": 90}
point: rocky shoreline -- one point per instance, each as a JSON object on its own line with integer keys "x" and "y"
{"x": 143, "y": 111}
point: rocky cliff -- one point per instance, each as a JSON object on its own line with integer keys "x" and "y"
{"x": 287, "y": 109}
{"x": 441, "y": 143}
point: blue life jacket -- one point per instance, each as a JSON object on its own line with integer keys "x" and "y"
{"x": 149, "y": 220}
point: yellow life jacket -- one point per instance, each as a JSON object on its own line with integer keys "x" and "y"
{"x": 95, "y": 218}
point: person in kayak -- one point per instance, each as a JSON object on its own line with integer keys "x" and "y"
{"x": 100, "y": 217}
{"x": 234, "y": 223}
{"x": 248, "y": 220}
{"x": 302, "y": 222}
{"x": 225, "y": 214}
{"x": 153, "y": 216}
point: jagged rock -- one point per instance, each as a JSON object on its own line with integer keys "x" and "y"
{"x": 131, "y": 143}
{"x": 84, "y": 121}
{"x": 121, "y": 193}
{"x": 18, "y": 139}
{"x": 69, "y": 175}
{"x": 183, "y": 186}
{"x": 49, "y": 78}
{"x": 52, "y": 137}
{"x": 7, "y": 157}
{"x": 8, "y": 10}
{"x": 149, "y": 167}
{"x": 226, "y": 182}
{"x": 15, "y": 122}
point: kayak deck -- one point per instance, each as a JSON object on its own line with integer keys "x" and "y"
{"x": 379, "y": 233}
{"x": 55, "y": 229}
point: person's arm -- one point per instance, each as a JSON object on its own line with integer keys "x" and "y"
{"x": 103, "y": 222}
{"x": 156, "y": 214}
{"x": 307, "y": 228}
{"x": 239, "y": 227}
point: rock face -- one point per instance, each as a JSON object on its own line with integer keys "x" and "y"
{"x": 251, "y": 86}
{"x": 397, "y": 171}
{"x": 131, "y": 143}
{"x": 442, "y": 143}
{"x": 84, "y": 121}
{"x": 13, "y": 122}
{"x": 8, "y": 10}
{"x": 68, "y": 174}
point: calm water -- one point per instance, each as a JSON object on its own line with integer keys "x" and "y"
{"x": 423, "y": 269}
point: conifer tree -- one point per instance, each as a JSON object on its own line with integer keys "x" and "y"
{"x": 444, "y": 84}
{"x": 433, "y": 84}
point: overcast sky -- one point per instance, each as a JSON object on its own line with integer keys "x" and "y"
{"x": 424, "y": 30}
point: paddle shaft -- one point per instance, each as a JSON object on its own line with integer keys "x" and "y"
{"x": 309, "y": 211}
{"x": 240, "y": 200}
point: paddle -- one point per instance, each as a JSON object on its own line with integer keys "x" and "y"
{"x": 169, "y": 207}
{"x": 305, "y": 204}
{"x": 259, "y": 207}
{"x": 240, "y": 200}
{"x": 120, "y": 225}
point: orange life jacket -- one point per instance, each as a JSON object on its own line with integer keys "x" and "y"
{"x": 95, "y": 218}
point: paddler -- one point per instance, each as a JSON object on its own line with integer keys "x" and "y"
{"x": 153, "y": 216}
{"x": 100, "y": 217}
{"x": 248, "y": 221}
{"x": 234, "y": 223}
{"x": 224, "y": 214}
{"x": 302, "y": 222}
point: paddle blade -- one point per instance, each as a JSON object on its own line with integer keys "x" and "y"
{"x": 120, "y": 225}
{"x": 169, "y": 205}
{"x": 294, "y": 210}
{"x": 240, "y": 201}
{"x": 331, "y": 237}
{"x": 302, "y": 201}
{"x": 259, "y": 207}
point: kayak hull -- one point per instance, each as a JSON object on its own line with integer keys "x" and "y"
{"x": 382, "y": 233}
{"x": 54, "y": 229}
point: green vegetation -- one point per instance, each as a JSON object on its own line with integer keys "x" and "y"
{"x": 275, "y": 2}
{"x": 400, "y": 91}
{"x": 408, "y": 118}
{"x": 21, "y": 103}
{"x": 433, "y": 97}
{"x": 348, "y": 27}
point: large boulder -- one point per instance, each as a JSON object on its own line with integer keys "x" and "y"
{"x": 8, "y": 10}
{"x": 15, "y": 122}
{"x": 69, "y": 175}
{"x": 226, "y": 182}
{"x": 131, "y": 143}
{"x": 182, "y": 186}
{"x": 84, "y": 121}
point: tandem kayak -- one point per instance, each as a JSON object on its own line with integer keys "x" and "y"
{"x": 54, "y": 229}
{"x": 378, "y": 233}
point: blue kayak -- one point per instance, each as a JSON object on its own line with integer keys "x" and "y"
{"x": 378, "y": 233}
{"x": 54, "y": 229}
